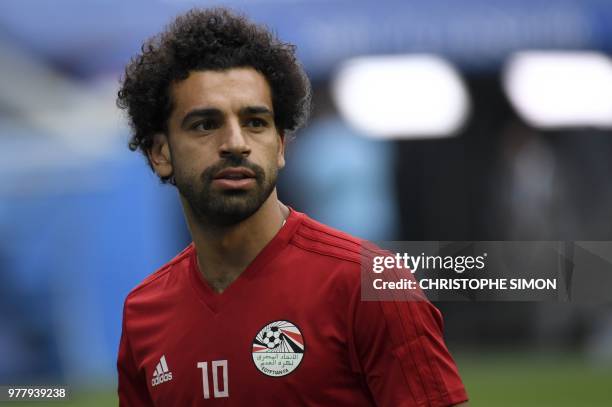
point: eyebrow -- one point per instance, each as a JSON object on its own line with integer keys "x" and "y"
{"x": 256, "y": 110}
{"x": 213, "y": 112}
{"x": 206, "y": 112}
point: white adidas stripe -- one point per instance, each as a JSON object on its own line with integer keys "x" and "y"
{"x": 162, "y": 360}
{"x": 162, "y": 367}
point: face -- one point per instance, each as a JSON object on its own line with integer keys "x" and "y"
{"x": 222, "y": 146}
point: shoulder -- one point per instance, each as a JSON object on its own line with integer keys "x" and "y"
{"x": 157, "y": 282}
{"x": 323, "y": 241}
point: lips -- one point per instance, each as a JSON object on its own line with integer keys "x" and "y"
{"x": 235, "y": 173}
{"x": 234, "y": 178}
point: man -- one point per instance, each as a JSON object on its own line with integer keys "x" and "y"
{"x": 263, "y": 308}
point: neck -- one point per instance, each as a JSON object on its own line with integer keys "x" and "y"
{"x": 223, "y": 253}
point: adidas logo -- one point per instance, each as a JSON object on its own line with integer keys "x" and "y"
{"x": 161, "y": 374}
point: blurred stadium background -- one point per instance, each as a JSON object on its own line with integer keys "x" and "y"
{"x": 433, "y": 120}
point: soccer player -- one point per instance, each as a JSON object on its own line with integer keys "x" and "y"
{"x": 263, "y": 308}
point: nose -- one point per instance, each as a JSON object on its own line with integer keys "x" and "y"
{"x": 234, "y": 141}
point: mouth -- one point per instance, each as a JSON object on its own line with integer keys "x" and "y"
{"x": 234, "y": 178}
{"x": 235, "y": 173}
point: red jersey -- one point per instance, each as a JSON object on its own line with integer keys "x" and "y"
{"x": 290, "y": 330}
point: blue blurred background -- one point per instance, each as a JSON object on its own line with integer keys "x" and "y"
{"x": 83, "y": 220}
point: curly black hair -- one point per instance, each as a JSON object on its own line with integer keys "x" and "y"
{"x": 209, "y": 39}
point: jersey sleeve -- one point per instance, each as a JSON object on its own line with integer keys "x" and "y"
{"x": 398, "y": 347}
{"x": 132, "y": 386}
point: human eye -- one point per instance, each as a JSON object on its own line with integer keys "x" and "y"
{"x": 256, "y": 122}
{"x": 205, "y": 125}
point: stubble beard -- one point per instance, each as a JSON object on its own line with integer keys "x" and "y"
{"x": 226, "y": 207}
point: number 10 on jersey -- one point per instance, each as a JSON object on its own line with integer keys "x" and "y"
{"x": 215, "y": 366}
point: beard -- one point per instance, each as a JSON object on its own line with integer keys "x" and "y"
{"x": 226, "y": 207}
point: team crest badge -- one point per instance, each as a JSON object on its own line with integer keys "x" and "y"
{"x": 278, "y": 348}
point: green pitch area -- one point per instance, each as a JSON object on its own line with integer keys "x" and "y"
{"x": 492, "y": 380}
{"x": 93, "y": 398}
{"x": 530, "y": 380}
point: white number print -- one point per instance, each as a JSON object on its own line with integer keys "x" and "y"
{"x": 215, "y": 365}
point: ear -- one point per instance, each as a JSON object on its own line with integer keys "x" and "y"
{"x": 280, "y": 160}
{"x": 159, "y": 156}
